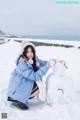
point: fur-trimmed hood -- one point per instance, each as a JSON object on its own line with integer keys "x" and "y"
{"x": 24, "y": 44}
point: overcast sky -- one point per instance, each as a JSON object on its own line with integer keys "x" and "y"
{"x": 39, "y": 17}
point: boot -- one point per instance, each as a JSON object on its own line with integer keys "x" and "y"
{"x": 20, "y": 105}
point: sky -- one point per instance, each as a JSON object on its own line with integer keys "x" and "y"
{"x": 39, "y": 17}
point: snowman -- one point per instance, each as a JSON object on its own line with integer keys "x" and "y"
{"x": 58, "y": 85}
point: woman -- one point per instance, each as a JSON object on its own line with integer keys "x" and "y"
{"x": 29, "y": 69}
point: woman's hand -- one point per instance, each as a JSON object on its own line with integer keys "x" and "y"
{"x": 62, "y": 61}
{"x": 51, "y": 63}
{"x": 48, "y": 64}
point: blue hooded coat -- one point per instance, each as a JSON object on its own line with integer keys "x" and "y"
{"x": 22, "y": 79}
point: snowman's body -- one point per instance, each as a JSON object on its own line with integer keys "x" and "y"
{"x": 58, "y": 85}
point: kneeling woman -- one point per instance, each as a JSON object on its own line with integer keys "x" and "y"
{"x": 29, "y": 69}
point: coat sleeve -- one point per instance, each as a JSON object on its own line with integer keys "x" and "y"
{"x": 29, "y": 73}
{"x": 41, "y": 62}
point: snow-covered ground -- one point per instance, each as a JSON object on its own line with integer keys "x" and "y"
{"x": 40, "y": 110}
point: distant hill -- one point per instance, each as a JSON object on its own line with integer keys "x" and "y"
{"x": 56, "y": 37}
{"x": 51, "y": 37}
{"x": 3, "y": 34}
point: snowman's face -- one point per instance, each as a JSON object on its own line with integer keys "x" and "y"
{"x": 59, "y": 68}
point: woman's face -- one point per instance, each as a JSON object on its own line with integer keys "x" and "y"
{"x": 29, "y": 53}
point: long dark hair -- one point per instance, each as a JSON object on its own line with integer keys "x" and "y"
{"x": 34, "y": 57}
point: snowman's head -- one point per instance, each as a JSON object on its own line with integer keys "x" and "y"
{"x": 59, "y": 68}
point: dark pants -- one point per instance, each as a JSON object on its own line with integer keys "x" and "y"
{"x": 35, "y": 88}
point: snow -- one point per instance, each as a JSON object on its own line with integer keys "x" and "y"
{"x": 41, "y": 110}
